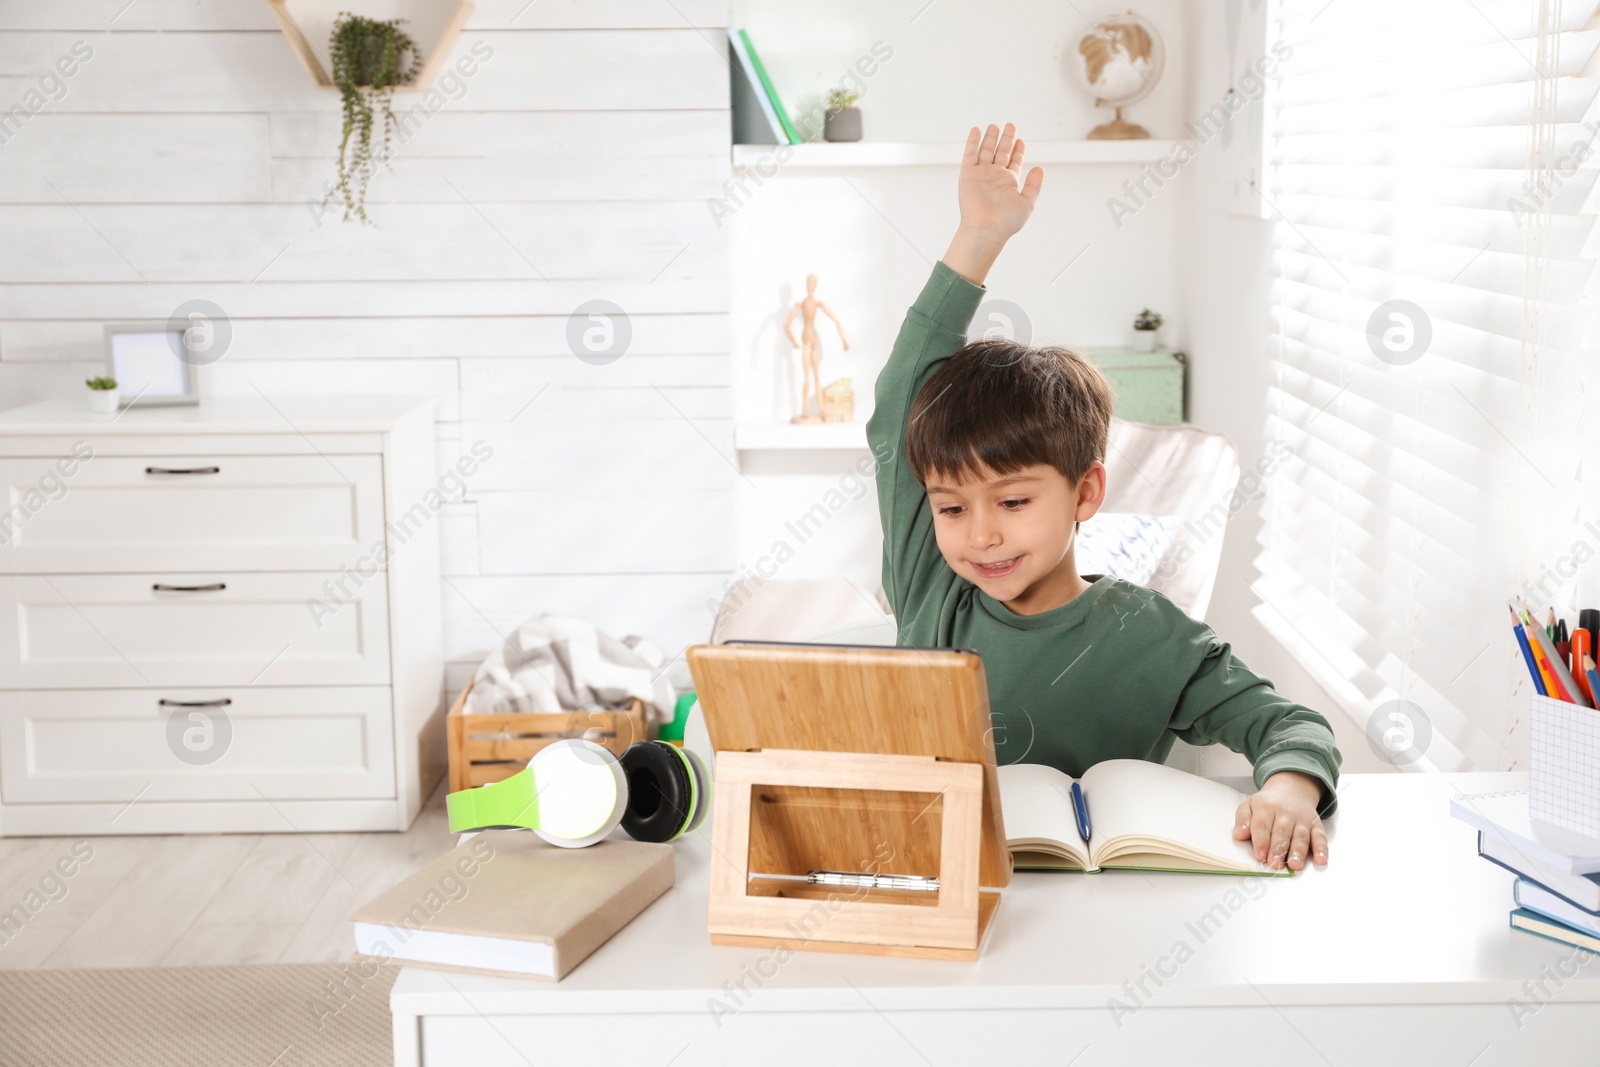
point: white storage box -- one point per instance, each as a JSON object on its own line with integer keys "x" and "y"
{"x": 1564, "y": 775}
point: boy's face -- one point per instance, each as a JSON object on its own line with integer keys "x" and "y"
{"x": 1008, "y": 534}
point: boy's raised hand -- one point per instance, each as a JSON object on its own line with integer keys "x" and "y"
{"x": 995, "y": 199}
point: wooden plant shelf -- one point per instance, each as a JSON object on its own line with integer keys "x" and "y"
{"x": 434, "y": 54}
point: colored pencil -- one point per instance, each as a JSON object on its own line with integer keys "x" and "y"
{"x": 1527, "y": 655}
{"x": 1552, "y": 687}
{"x": 1594, "y": 676}
{"x": 1565, "y": 687}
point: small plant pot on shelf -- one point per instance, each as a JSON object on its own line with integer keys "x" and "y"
{"x": 103, "y": 401}
{"x": 1144, "y": 340}
{"x": 842, "y": 125}
{"x": 491, "y": 748}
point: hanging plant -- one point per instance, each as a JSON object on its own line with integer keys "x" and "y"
{"x": 366, "y": 56}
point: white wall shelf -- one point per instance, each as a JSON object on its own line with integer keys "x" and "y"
{"x": 785, "y": 436}
{"x": 940, "y": 153}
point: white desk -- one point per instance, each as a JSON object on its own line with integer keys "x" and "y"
{"x": 1398, "y": 952}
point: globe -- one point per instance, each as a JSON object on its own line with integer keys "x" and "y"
{"x": 1119, "y": 61}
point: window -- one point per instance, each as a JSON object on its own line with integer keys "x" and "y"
{"x": 1431, "y": 170}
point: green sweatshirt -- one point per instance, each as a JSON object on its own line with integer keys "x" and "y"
{"x": 1117, "y": 672}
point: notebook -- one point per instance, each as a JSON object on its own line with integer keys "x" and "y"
{"x": 506, "y": 902}
{"x": 1581, "y": 889}
{"x": 1534, "y": 923}
{"x": 1142, "y": 815}
{"x": 1505, "y": 815}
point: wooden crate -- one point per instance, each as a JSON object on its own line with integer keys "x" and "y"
{"x": 491, "y": 748}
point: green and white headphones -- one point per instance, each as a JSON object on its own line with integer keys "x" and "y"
{"x": 575, "y": 792}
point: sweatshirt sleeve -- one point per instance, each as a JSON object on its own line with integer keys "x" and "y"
{"x": 1224, "y": 701}
{"x": 934, "y": 328}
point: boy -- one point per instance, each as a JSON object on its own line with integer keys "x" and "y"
{"x": 1002, "y": 458}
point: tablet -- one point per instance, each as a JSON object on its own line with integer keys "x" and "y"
{"x": 854, "y": 698}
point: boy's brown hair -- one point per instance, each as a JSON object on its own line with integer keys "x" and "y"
{"x": 1006, "y": 406}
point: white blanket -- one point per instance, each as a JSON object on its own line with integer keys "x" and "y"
{"x": 555, "y": 663}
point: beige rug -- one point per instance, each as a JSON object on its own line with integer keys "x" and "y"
{"x": 269, "y": 1015}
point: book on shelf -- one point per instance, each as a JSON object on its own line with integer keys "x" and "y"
{"x": 776, "y": 101}
{"x": 1582, "y": 890}
{"x": 1505, "y": 815}
{"x": 1142, "y": 815}
{"x": 754, "y": 120}
{"x": 506, "y": 902}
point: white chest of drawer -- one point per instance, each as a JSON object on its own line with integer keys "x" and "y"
{"x": 220, "y": 618}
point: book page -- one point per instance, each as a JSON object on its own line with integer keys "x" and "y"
{"x": 1036, "y": 803}
{"x": 1156, "y": 806}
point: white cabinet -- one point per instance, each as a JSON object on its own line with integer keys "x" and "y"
{"x": 223, "y": 618}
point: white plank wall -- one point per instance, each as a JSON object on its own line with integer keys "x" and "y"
{"x": 182, "y": 162}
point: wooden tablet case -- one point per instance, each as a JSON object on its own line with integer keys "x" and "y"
{"x": 851, "y": 759}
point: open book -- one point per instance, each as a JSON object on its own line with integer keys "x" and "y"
{"x": 1141, "y": 814}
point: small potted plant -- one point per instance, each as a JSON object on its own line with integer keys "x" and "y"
{"x": 102, "y": 394}
{"x": 370, "y": 57}
{"x": 843, "y": 120}
{"x": 1145, "y": 325}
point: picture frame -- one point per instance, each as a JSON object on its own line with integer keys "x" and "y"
{"x": 145, "y": 360}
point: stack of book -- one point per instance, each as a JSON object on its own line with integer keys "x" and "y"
{"x": 1557, "y": 891}
{"x": 754, "y": 95}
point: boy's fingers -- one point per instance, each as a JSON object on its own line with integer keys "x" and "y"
{"x": 1319, "y": 843}
{"x": 1260, "y": 831}
{"x": 1032, "y": 184}
{"x": 1297, "y": 846}
{"x": 969, "y": 155}
{"x": 1002, "y": 150}
{"x": 991, "y": 137}
{"x": 1282, "y": 828}
{"x": 1014, "y": 160}
{"x": 1241, "y": 821}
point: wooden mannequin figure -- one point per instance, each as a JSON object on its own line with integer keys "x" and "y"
{"x": 810, "y": 350}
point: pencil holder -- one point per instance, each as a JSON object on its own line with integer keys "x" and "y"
{"x": 1564, "y": 770}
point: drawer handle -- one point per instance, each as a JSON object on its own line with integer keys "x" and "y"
{"x": 214, "y": 587}
{"x": 222, "y": 703}
{"x": 183, "y": 470}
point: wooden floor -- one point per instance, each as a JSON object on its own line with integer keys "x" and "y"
{"x": 204, "y": 899}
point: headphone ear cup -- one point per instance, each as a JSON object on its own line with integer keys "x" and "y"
{"x": 702, "y": 783}
{"x": 661, "y": 791}
{"x": 583, "y": 792}
{"x": 572, "y": 793}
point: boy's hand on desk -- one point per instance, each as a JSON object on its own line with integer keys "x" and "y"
{"x": 995, "y": 199}
{"x": 1281, "y": 821}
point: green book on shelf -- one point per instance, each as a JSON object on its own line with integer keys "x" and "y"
{"x": 772, "y": 94}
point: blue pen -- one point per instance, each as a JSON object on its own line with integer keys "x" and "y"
{"x": 1080, "y": 808}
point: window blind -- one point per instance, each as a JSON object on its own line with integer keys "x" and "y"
{"x": 1434, "y": 355}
